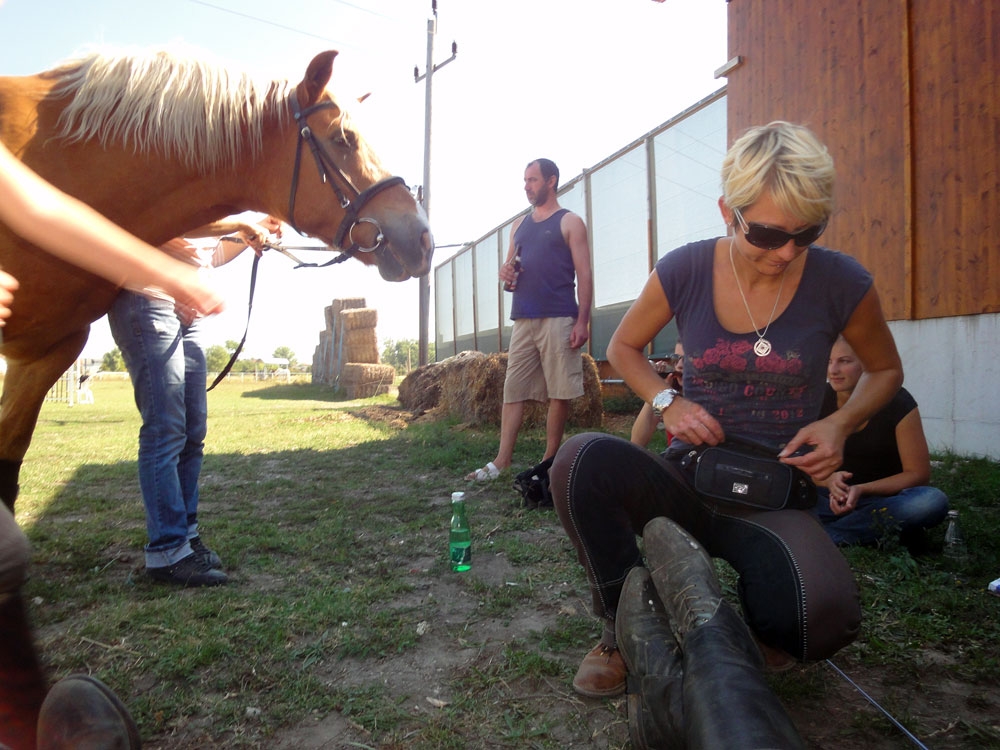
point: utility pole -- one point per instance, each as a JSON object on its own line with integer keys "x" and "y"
{"x": 425, "y": 281}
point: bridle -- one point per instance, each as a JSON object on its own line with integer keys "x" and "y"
{"x": 325, "y": 164}
{"x": 352, "y": 208}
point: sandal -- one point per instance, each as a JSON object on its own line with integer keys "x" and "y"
{"x": 486, "y": 474}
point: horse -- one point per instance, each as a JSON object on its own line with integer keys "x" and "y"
{"x": 162, "y": 143}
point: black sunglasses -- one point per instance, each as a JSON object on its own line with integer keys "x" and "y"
{"x": 769, "y": 238}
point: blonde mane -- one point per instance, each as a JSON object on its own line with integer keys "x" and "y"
{"x": 159, "y": 101}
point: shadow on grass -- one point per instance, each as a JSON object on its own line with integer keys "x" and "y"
{"x": 342, "y": 608}
{"x": 297, "y": 392}
{"x": 341, "y": 604}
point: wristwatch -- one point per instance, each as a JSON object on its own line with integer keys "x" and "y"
{"x": 663, "y": 399}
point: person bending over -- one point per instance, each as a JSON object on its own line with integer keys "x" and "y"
{"x": 758, "y": 311}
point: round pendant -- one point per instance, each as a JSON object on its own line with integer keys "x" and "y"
{"x": 762, "y": 348}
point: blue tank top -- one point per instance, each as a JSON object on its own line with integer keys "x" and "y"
{"x": 761, "y": 398}
{"x": 546, "y": 287}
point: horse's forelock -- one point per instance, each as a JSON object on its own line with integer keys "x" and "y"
{"x": 180, "y": 106}
{"x": 370, "y": 164}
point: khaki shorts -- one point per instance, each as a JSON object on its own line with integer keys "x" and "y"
{"x": 540, "y": 363}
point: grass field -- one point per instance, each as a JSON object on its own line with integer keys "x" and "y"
{"x": 344, "y": 626}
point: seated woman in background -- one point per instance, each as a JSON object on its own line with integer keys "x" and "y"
{"x": 648, "y": 422}
{"x": 881, "y": 488}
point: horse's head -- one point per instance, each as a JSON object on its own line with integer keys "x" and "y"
{"x": 341, "y": 194}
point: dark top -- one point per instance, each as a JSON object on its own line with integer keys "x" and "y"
{"x": 872, "y": 452}
{"x": 767, "y": 399}
{"x": 546, "y": 287}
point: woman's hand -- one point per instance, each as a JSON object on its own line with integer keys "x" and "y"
{"x": 843, "y": 496}
{"x": 691, "y": 423}
{"x": 817, "y": 449}
{"x": 8, "y": 285}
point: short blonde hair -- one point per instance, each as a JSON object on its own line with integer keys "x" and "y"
{"x": 786, "y": 160}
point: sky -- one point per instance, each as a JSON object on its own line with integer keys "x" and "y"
{"x": 570, "y": 80}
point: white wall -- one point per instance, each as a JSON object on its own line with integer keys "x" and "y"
{"x": 952, "y": 368}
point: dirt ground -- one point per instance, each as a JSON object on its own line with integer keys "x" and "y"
{"x": 828, "y": 711}
{"x": 417, "y": 676}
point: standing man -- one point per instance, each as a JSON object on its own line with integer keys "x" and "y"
{"x": 553, "y": 291}
{"x": 160, "y": 341}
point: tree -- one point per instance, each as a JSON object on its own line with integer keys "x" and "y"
{"x": 113, "y": 361}
{"x": 232, "y": 346}
{"x": 283, "y": 352}
{"x": 216, "y": 357}
{"x": 404, "y": 354}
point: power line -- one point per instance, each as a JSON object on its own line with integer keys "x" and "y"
{"x": 278, "y": 25}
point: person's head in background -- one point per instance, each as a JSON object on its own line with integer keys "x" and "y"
{"x": 844, "y": 369}
{"x": 678, "y": 359}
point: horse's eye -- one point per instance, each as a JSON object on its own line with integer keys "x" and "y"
{"x": 345, "y": 139}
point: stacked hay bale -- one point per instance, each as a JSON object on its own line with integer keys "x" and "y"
{"x": 347, "y": 355}
{"x": 469, "y": 387}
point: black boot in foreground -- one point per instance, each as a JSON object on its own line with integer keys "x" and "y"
{"x": 82, "y": 713}
{"x": 727, "y": 702}
{"x": 655, "y": 689}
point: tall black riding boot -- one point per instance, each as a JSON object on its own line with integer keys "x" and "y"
{"x": 727, "y": 702}
{"x": 655, "y": 680}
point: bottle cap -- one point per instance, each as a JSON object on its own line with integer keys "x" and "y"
{"x": 455, "y": 496}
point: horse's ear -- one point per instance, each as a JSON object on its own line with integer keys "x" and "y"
{"x": 317, "y": 76}
{"x": 362, "y": 98}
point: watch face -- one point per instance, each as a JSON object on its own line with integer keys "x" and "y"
{"x": 663, "y": 399}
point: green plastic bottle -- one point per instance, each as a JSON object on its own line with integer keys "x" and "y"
{"x": 459, "y": 538}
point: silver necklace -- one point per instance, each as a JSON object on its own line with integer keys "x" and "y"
{"x": 763, "y": 347}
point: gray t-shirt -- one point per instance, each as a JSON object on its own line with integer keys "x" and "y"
{"x": 767, "y": 399}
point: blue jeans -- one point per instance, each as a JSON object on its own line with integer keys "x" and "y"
{"x": 166, "y": 362}
{"x": 877, "y": 516}
{"x": 796, "y": 588}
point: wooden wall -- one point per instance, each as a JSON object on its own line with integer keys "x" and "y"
{"x": 906, "y": 95}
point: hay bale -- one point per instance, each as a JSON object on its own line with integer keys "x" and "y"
{"x": 469, "y": 387}
{"x": 361, "y": 345}
{"x": 474, "y": 392}
{"x": 346, "y": 304}
{"x": 420, "y": 390}
{"x": 363, "y": 380}
{"x": 363, "y": 317}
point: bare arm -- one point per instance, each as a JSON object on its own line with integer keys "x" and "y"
{"x": 626, "y": 352}
{"x": 913, "y": 455}
{"x": 236, "y": 236}
{"x": 76, "y": 233}
{"x": 869, "y": 336}
{"x": 575, "y": 233}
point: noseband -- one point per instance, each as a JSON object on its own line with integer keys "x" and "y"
{"x": 352, "y": 204}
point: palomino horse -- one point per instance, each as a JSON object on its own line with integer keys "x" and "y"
{"x": 160, "y": 145}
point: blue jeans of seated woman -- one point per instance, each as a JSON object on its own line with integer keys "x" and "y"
{"x": 796, "y": 589}
{"x": 166, "y": 362}
{"x": 877, "y": 516}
